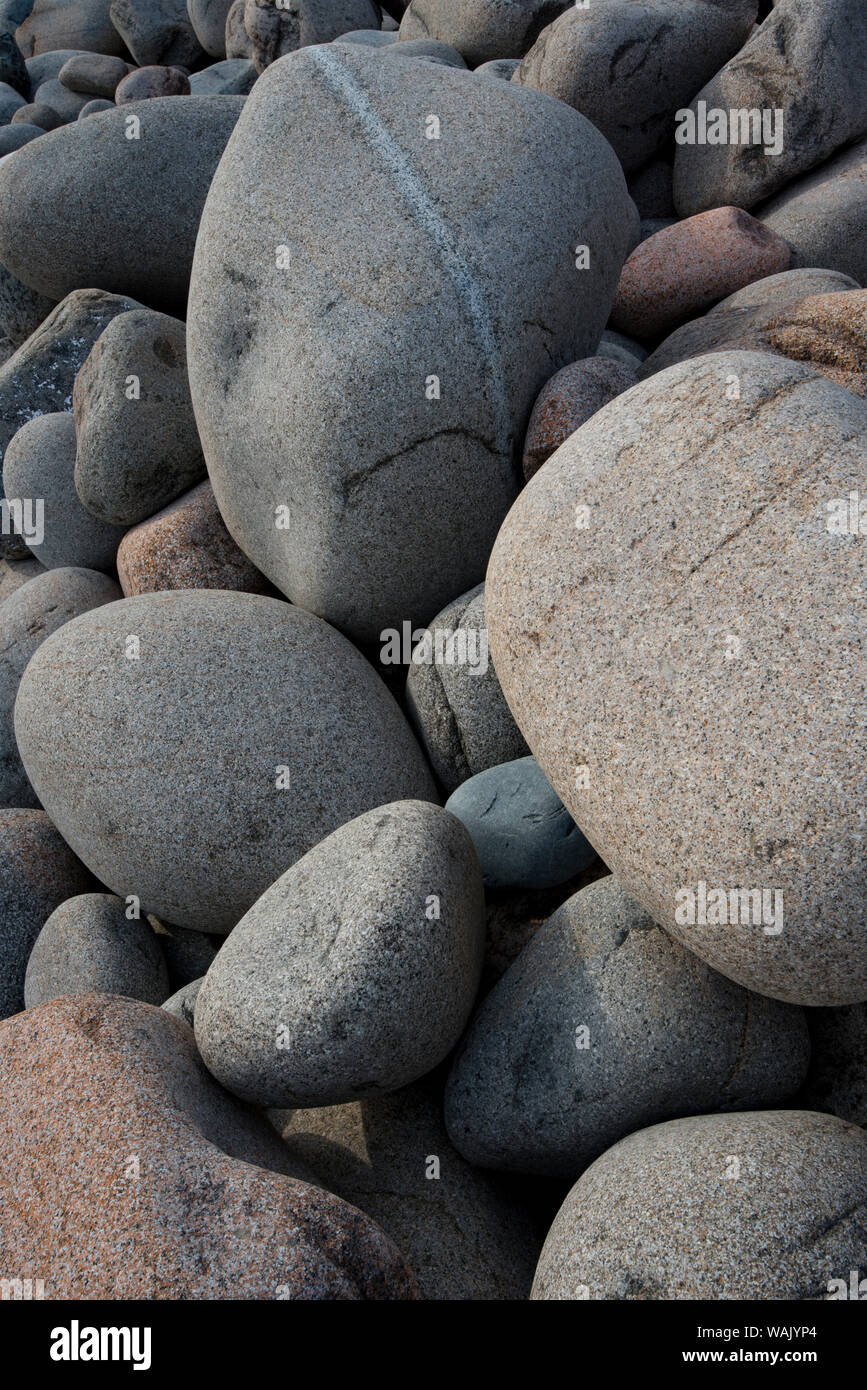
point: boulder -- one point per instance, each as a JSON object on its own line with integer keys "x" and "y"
{"x": 275, "y": 29}
{"x": 769, "y": 1205}
{"x": 37, "y": 873}
{"x": 109, "y": 1115}
{"x": 355, "y": 973}
{"x": 822, "y": 215}
{"x": 481, "y": 30}
{"x": 224, "y": 735}
{"x": 659, "y": 603}
{"x": 419, "y": 364}
{"x": 132, "y": 183}
{"x": 602, "y": 1025}
{"x": 90, "y": 946}
{"x": 157, "y": 32}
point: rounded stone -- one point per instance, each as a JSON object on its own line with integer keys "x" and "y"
{"x": 224, "y": 735}
{"x": 603, "y": 1025}
{"x": 630, "y": 67}
{"x": 15, "y": 137}
{"x": 27, "y": 618}
{"x": 186, "y": 546}
{"x": 40, "y": 463}
{"x": 355, "y": 972}
{"x": 502, "y": 68}
{"x": 785, "y": 287}
{"x": 138, "y": 446}
{"x": 131, "y": 206}
{"x": 158, "y": 32}
{"x": 10, "y": 102}
{"x": 275, "y": 29}
{"x": 823, "y": 215}
{"x": 95, "y": 74}
{"x": 680, "y": 271}
{"x": 60, "y": 99}
{"x": 568, "y": 400}
{"x": 95, "y": 105}
{"x": 767, "y": 1205}
{"x": 429, "y": 49}
{"x": 522, "y": 832}
{"x": 675, "y": 648}
{"x": 482, "y": 30}
{"x": 453, "y": 696}
{"x": 391, "y": 1158}
{"x": 426, "y": 365}
{"x": 183, "y": 1002}
{"x": 37, "y": 873}
{"x": 234, "y": 77}
{"x": 826, "y": 332}
{"x": 33, "y": 114}
{"x": 14, "y": 573}
{"x": 109, "y": 1100}
{"x": 143, "y": 84}
{"x": 89, "y": 945}
{"x": 208, "y": 18}
{"x": 52, "y": 24}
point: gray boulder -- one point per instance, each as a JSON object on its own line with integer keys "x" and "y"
{"x": 803, "y": 72}
{"x": 67, "y": 104}
{"x": 94, "y": 74}
{"x": 224, "y": 734}
{"x": 522, "y": 832}
{"x": 51, "y": 25}
{"x": 28, "y": 616}
{"x": 621, "y": 349}
{"x": 672, "y": 650}
{"x": 37, "y": 873}
{"x": 391, "y": 1157}
{"x": 502, "y": 68}
{"x": 785, "y": 288}
{"x": 431, "y": 50}
{"x": 132, "y": 182}
{"x": 34, "y": 114}
{"x": 21, "y": 312}
{"x": 157, "y": 32}
{"x": 404, "y": 394}
{"x": 43, "y": 66}
{"x": 768, "y": 1205}
{"x": 630, "y": 65}
{"x": 89, "y": 945}
{"x": 374, "y": 38}
{"x": 481, "y": 30}
{"x": 233, "y": 77}
{"x": 238, "y": 41}
{"x": 604, "y": 1025}
{"x": 454, "y": 698}
{"x": 39, "y": 377}
{"x": 15, "y": 137}
{"x": 95, "y": 105}
{"x": 275, "y": 29}
{"x": 14, "y": 573}
{"x": 208, "y": 18}
{"x": 138, "y": 447}
{"x": 355, "y": 972}
{"x": 40, "y": 464}
{"x": 10, "y": 102}
{"x": 823, "y": 216}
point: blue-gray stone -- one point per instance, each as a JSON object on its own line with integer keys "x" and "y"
{"x": 523, "y": 834}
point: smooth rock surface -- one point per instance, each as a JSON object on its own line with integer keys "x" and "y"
{"x": 355, "y": 972}
{"x": 768, "y": 1205}
{"x": 95, "y": 105}
{"x": 353, "y": 437}
{"x": 673, "y": 648}
{"x": 89, "y": 945}
{"x": 807, "y": 63}
{"x": 243, "y": 732}
{"x": 462, "y": 1237}
{"x": 823, "y": 215}
{"x": 567, "y": 401}
{"x": 787, "y": 286}
{"x": 33, "y": 114}
{"x": 15, "y": 137}
{"x": 131, "y": 206}
{"x": 683, "y": 269}
{"x": 39, "y": 377}
{"x": 630, "y": 65}
{"x": 234, "y": 77}
{"x": 67, "y": 104}
{"x": 157, "y": 31}
{"x": 10, "y": 102}
{"x": 54, "y": 24}
{"x": 37, "y": 873}
{"x": 522, "y": 832}
{"x": 186, "y": 546}
{"x": 208, "y": 18}
{"x": 40, "y": 463}
{"x": 144, "y": 84}
{"x": 110, "y": 1116}
{"x": 14, "y": 573}
{"x": 604, "y": 1025}
{"x": 28, "y": 616}
{"x": 429, "y": 49}
{"x": 481, "y": 30}
{"x": 95, "y": 74}
{"x": 183, "y": 1002}
{"x": 275, "y": 29}
{"x": 827, "y": 332}
{"x": 457, "y": 706}
{"x": 138, "y": 446}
